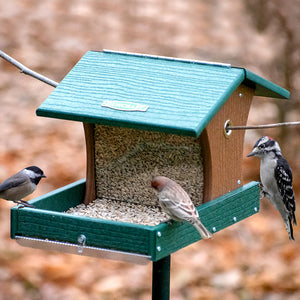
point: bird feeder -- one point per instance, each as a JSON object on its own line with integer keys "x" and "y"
{"x": 143, "y": 116}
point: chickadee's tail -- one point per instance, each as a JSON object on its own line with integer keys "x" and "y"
{"x": 205, "y": 234}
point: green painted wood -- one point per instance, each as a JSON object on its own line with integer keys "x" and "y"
{"x": 58, "y": 227}
{"x": 183, "y": 96}
{"x": 63, "y": 198}
{"x": 218, "y": 214}
{"x": 265, "y": 87}
{"x": 49, "y": 222}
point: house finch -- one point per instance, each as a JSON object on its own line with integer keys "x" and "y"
{"x": 177, "y": 203}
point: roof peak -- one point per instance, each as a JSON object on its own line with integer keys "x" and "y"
{"x": 194, "y": 61}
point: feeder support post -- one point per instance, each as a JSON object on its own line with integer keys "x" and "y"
{"x": 161, "y": 279}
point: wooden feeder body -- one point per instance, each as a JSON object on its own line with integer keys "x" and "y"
{"x": 123, "y": 160}
{"x": 176, "y": 130}
{"x": 184, "y": 159}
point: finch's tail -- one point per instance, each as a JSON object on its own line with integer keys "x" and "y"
{"x": 205, "y": 234}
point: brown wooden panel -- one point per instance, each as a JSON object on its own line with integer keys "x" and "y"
{"x": 90, "y": 190}
{"x": 223, "y": 155}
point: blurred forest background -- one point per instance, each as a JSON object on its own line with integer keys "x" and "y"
{"x": 253, "y": 259}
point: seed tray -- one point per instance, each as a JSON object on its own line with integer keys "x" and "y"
{"x": 49, "y": 222}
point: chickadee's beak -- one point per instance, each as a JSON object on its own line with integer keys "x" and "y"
{"x": 44, "y": 176}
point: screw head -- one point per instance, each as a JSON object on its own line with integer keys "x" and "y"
{"x": 158, "y": 248}
{"x": 158, "y": 233}
{"x": 214, "y": 229}
{"x": 234, "y": 219}
{"x": 81, "y": 239}
{"x": 81, "y": 243}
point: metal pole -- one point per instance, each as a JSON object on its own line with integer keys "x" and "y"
{"x": 161, "y": 279}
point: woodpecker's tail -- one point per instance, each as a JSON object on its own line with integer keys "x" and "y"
{"x": 205, "y": 234}
{"x": 289, "y": 226}
{"x": 294, "y": 218}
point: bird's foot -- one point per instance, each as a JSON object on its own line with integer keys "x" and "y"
{"x": 170, "y": 222}
{"x": 262, "y": 192}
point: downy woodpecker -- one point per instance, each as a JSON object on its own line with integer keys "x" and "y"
{"x": 277, "y": 180}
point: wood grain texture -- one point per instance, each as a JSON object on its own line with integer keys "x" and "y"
{"x": 90, "y": 190}
{"x": 58, "y": 226}
{"x": 223, "y": 156}
{"x": 182, "y": 96}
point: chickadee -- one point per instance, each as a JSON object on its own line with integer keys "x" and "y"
{"x": 21, "y": 185}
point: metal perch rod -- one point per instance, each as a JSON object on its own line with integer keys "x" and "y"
{"x": 262, "y": 126}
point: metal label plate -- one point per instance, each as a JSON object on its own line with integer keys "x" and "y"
{"x": 125, "y": 106}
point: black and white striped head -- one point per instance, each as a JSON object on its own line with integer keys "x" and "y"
{"x": 34, "y": 173}
{"x": 265, "y": 146}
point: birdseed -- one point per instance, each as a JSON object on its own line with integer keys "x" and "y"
{"x": 125, "y": 162}
{"x": 127, "y": 159}
{"x": 121, "y": 211}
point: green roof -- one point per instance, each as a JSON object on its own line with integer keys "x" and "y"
{"x": 171, "y": 95}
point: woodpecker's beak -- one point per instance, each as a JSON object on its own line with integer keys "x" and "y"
{"x": 253, "y": 153}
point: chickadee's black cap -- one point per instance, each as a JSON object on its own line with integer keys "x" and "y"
{"x": 36, "y": 170}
